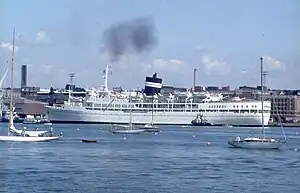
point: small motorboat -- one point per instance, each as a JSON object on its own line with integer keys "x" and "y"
{"x": 89, "y": 140}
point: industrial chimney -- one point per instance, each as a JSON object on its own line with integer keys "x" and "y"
{"x": 23, "y": 76}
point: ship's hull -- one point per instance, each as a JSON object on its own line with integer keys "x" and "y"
{"x": 81, "y": 115}
{"x": 255, "y": 145}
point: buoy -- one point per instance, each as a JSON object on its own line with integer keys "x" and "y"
{"x": 77, "y": 129}
{"x": 208, "y": 143}
{"x": 194, "y": 136}
{"x": 124, "y": 138}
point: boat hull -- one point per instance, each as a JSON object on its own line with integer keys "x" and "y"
{"x": 81, "y": 115}
{"x": 201, "y": 123}
{"x": 89, "y": 141}
{"x": 255, "y": 145}
{"x": 129, "y": 131}
{"x": 151, "y": 128}
{"x": 27, "y": 139}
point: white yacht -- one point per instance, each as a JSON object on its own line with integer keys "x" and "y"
{"x": 105, "y": 106}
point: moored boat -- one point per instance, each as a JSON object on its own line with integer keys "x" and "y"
{"x": 261, "y": 142}
{"x": 17, "y": 135}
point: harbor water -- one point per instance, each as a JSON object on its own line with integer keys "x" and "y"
{"x": 178, "y": 159}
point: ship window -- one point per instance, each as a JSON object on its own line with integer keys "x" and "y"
{"x": 242, "y": 106}
{"x": 233, "y": 106}
{"x": 220, "y": 106}
{"x": 247, "y": 106}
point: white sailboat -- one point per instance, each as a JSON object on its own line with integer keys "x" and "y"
{"x": 150, "y": 127}
{"x": 22, "y": 135}
{"x": 127, "y": 129}
{"x": 258, "y": 142}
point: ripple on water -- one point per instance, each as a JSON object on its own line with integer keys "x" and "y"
{"x": 175, "y": 160}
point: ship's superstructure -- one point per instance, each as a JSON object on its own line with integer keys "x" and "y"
{"x": 105, "y": 106}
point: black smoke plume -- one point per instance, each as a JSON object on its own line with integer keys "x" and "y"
{"x": 137, "y": 35}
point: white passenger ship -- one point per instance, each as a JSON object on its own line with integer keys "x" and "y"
{"x": 104, "y": 106}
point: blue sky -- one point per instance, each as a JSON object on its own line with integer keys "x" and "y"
{"x": 223, "y": 39}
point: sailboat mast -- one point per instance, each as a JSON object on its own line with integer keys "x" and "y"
{"x": 130, "y": 120}
{"x": 152, "y": 107}
{"x": 12, "y": 82}
{"x": 261, "y": 97}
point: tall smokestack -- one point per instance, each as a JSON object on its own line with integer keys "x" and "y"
{"x": 195, "y": 70}
{"x": 23, "y": 76}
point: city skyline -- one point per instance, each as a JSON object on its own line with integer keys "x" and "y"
{"x": 222, "y": 39}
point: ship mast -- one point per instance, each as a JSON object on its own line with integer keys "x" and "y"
{"x": 261, "y": 97}
{"x": 106, "y": 78}
{"x": 106, "y": 72}
{"x": 71, "y": 75}
{"x": 11, "y": 121}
